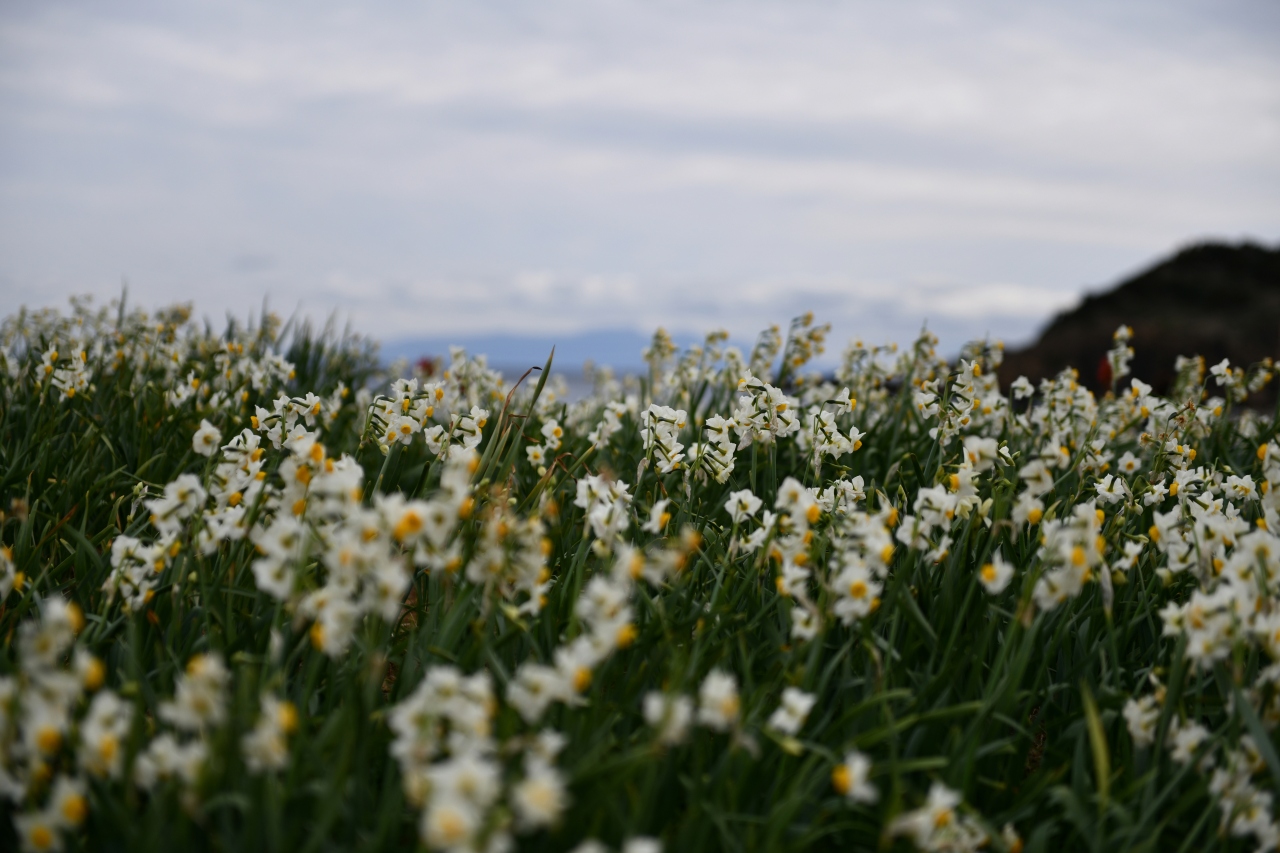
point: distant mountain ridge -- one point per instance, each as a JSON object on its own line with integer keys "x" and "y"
{"x": 1216, "y": 300}
{"x": 618, "y": 348}
{"x": 1213, "y": 299}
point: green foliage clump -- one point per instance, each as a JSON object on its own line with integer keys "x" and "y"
{"x": 258, "y": 594}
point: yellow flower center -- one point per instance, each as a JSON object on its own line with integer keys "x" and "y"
{"x": 452, "y": 828}
{"x": 94, "y": 674}
{"x": 41, "y": 838}
{"x": 107, "y": 748}
{"x": 75, "y": 617}
{"x": 74, "y": 809}
{"x": 48, "y": 739}
{"x": 409, "y": 524}
{"x": 287, "y": 717}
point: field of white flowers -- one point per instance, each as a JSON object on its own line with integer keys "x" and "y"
{"x": 257, "y": 593}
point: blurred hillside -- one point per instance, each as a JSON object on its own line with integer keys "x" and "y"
{"x": 1215, "y": 300}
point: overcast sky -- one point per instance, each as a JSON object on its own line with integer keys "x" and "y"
{"x": 455, "y": 169}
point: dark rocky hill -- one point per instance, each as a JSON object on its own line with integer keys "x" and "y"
{"x": 1215, "y": 300}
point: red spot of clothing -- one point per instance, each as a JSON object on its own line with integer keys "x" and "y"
{"x": 1104, "y": 373}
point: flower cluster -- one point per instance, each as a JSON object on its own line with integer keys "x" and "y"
{"x": 53, "y": 737}
{"x": 849, "y": 608}
{"x": 452, "y": 768}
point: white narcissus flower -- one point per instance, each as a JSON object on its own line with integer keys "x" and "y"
{"x": 1029, "y": 509}
{"x": 642, "y": 844}
{"x": 165, "y": 759}
{"x": 533, "y": 689}
{"x": 103, "y": 734}
{"x": 995, "y": 576}
{"x": 38, "y": 831}
{"x": 332, "y": 631}
{"x": 467, "y": 777}
{"x": 9, "y": 572}
{"x": 540, "y": 798}
{"x": 590, "y": 845}
{"x": 857, "y": 592}
{"x": 844, "y": 402}
{"x": 980, "y": 452}
{"x": 200, "y": 701}
{"x": 537, "y": 455}
{"x": 798, "y": 500}
{"x": 1012, "y": 840}
{"x": 1140, "y": 715}
{"x": 718, "y": 702}
{"x": 266, "y": 746}
{"x": 792, "y": 579}
{"x": 67, "y": 802}
{"x": 181, "y": 498}
{"x": 449, "y": 823}
{"x": 670, "y": 715}
{"x": 1241, "y": 488}
{"x": 658, "y": 518}
{"x": 207, "y": 440}
{"x": 552, "y": 432}
{"x": 1185, "y": 740}
{"x": 1111, "y": 489}
{"x": 935, "y": 825}
{"x": 660, "y": 435}
{"x": 792, "y": 712}
{"x": 1128, "y": 463}
{"x": 742, "y": 504}
{"x": 401, "y": 428}
{"x": 805, "y": 624}
{"x": 851, "y": 778}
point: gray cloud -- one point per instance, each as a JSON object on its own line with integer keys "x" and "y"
{"x": 471, "y": 168}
